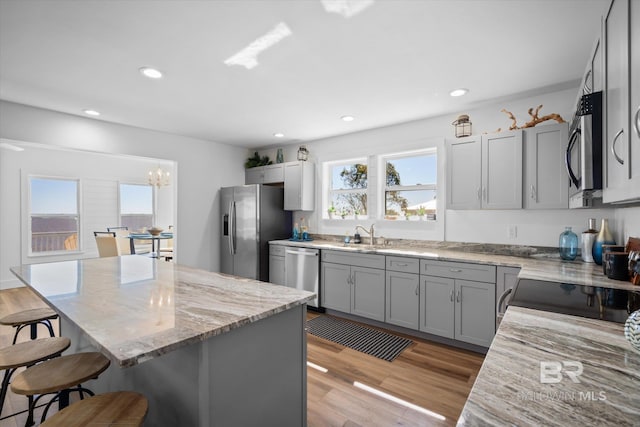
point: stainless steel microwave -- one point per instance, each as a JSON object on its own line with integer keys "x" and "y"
{"x": 584, "y": 152}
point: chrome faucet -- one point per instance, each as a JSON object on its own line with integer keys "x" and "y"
{"x": 370, "y": 232}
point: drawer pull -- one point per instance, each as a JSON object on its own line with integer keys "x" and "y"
{"x": 455, "y": 270}
{"x": 402, "y": 264}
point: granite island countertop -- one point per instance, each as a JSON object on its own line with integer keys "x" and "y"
{"x": 509, "y": 389}
{"x": 134, "y": 308}
{"x": 547, "y": 266}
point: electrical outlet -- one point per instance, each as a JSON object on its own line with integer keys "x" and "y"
{"x": 512, "y": 231}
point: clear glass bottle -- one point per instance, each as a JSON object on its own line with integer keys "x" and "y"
{"x": 568, "y": 244}
{"x": 604, "y": 237}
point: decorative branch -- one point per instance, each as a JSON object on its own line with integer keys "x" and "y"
{"x": 535, "y": 119}
{"x": 514, "y": 124}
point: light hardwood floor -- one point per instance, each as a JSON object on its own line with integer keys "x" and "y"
{"x": 432, "y": 376}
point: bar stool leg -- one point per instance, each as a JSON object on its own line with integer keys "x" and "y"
{"x": 63, "y": 399}
{"x": 5, "y": 386}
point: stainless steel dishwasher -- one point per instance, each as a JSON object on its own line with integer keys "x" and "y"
{"x": 302, "y": 267}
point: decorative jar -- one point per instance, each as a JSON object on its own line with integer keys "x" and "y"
{"x": 568, "y": 244}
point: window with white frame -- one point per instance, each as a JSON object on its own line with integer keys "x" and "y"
{"x": 136, "y": 206}
{"x": 53, "y": 214}
{"x": 410, "y": 185}
{"x": 347, "y": 189}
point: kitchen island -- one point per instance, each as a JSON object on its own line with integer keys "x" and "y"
{"x": 513, "y": 389}
{"x": 206, "y": 349}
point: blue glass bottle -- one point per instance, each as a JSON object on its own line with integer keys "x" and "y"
{"x": 568, "y": 244}
{"x": 604, "y": 238}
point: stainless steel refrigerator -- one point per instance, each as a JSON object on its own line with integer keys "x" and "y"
{"x": 251, "y": 216}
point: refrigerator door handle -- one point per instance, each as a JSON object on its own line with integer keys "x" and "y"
{"x": 232, "y": 217}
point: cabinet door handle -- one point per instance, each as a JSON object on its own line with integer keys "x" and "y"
{"x": 636, "y": 121}
{"x": 417, "y": 288}
{"x": 479, "y": 193}
{"x": 613, "y": 146}
{"x": 533, "y": 192}
{"x": 451, "y": 295}
{"x": 353, "y": 279}
{"x": 455, "y": 270}
{"x": 458, "y": 296}
{"x": 484, "y": 194}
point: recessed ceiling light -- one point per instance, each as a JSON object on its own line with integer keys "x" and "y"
{"x": 459, "y": 92}
{"x": 348, "y": 118}
{"x": 92, "y": 112}
{"x": 152, "y": 73}
{"x": 278, "y": 135}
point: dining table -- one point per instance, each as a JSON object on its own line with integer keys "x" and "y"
{"x": 155, "y": 241}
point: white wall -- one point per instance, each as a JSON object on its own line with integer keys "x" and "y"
{"x": 203, "y": 167}
{"x": 540, "y": 228}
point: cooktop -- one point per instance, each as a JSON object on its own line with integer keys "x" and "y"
{"x": 613, "y": 305}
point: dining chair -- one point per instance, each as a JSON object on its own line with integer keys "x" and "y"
{"x": 122, "y": 239}
{"x": 107, "y": 243}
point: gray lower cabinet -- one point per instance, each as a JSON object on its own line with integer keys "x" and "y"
{"x": 276, "y": 264}
{"x": 367, "y": 292}
{"x": 403, "y": 299}
{"x": 507, "y": 277}
{"x": 336, "y": 287}
{"x": 354, "y": 283}
{"x": 437, "y": 300}
{"x": 453, "y": 306}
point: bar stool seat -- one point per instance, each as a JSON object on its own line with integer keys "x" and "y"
{"x": 31, "y": 318}
{"x": 27, "y": 354}
{"x": 119, "y": 408}
{"x": 62, "y": 376}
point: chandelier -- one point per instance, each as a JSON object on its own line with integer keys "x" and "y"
{"x": 159, "y": 177}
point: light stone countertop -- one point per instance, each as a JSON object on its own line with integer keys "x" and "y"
{"x": 543, "y": 266}
{"x": 509, "y": 389}
{"x": 134, "y": 308}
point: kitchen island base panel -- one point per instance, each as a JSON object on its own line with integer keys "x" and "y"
{"x": 236, "y": 378}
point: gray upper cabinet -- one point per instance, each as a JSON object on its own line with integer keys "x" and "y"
{"x": 502, "y": 170}
{"x": 546, "y": 185}
{"x": 621, "y": 102}
{"x": 464, "y": 174}
{"x": 485, "y": 171}
{"x": 299, "y": 186}
{"x": 270, "y": 174}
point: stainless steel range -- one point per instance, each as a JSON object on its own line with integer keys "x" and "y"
{"x": 613, "y": 305}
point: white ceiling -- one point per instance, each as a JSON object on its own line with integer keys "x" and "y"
{"x": 395, "y": 61}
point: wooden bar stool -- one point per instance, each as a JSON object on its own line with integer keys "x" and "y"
{"x": 119, "y": 408}
{"x": 28, "y": 354}
{"x": 31, "y": 318}
{"x": 59, "y": 376}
